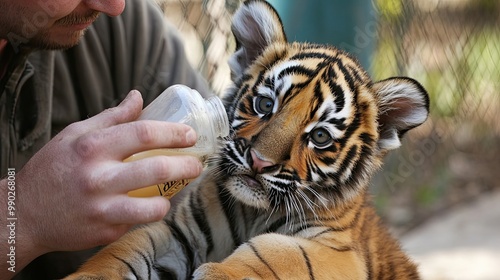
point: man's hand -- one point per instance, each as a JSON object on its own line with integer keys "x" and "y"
{"x": 72, "y": 194}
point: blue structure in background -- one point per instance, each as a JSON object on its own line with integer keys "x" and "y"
{"x": 350, "y": 25}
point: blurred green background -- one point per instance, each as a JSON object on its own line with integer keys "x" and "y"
{"x": 452, "y": 47}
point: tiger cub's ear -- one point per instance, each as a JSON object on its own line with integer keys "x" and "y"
{"x": 255, "y": 26}
{"x": 403, "y": 104}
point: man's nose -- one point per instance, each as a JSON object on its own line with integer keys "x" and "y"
{"x": 109, "y": 7}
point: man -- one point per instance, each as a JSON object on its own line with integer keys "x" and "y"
{"x": 63, "y": 63}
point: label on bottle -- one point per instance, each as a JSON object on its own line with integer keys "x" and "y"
{"x": 169, "y": 189}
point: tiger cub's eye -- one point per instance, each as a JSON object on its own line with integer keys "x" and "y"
{"x": 321, "y": 137}
{"x": 263, "y": 105}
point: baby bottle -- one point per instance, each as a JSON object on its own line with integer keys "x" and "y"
{"x": 181, "y": 104}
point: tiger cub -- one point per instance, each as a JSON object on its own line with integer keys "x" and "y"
{"x": 286, "y": 197}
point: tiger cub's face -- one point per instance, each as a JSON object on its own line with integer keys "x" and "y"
{"x": 309, "y": 127}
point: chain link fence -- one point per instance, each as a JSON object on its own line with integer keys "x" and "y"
{"x": 205, "y": 26}
{"x": 451, "y": 46}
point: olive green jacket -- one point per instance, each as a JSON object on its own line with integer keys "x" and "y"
{"x": 44, "y": 91}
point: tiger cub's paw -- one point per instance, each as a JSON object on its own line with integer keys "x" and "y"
{"x": 93, "y": 276}
{"x": 102, "y": 273}
{"x": 84, "y": 276}
{"x": 210, "y": 271}
{"x": 219, "y": 271}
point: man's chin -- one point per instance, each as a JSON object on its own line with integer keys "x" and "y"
{"x": 48, "y": 42}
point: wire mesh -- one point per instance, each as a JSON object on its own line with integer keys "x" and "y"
{"x": 453, "y": 48}
{"x": 205, "y": 26}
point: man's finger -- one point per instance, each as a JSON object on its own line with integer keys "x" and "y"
{"x": 121, "y": 141}
{"x": 124, "y": 177}
{"x": 133, "y": 210}
{"x": 128, "y": 110}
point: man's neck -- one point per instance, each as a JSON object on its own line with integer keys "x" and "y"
{"x": 3, "y": 45}
{"x": 5, "y": 57}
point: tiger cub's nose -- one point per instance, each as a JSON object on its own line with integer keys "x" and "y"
{"x": 262, "y": 166}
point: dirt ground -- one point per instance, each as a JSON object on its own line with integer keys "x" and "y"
{"x": 462, "y": 243}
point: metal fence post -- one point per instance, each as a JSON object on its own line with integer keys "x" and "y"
{"x": 349, "y": 25}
